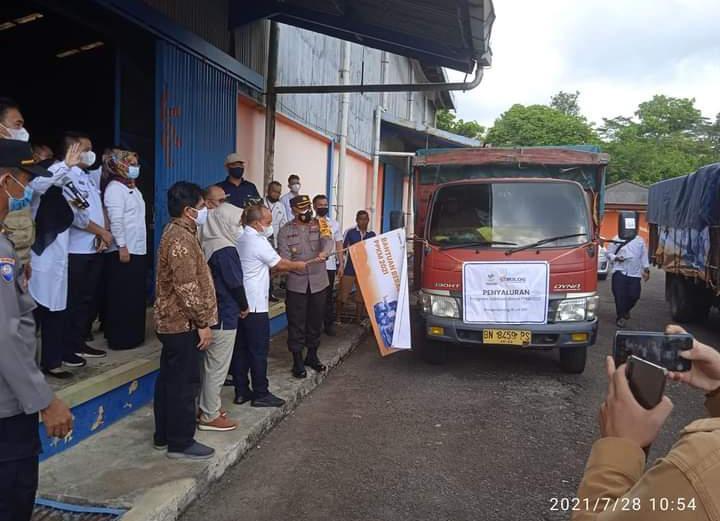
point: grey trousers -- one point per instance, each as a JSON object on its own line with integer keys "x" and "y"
{"x": 216, "y": 364}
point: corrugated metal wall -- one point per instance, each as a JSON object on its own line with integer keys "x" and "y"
{"x": 196, "y": 108}
{"x": 208, "y": 19}
{"x": 251, "y": 45}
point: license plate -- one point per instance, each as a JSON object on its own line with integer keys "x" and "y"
{"x": 510, "y": 337}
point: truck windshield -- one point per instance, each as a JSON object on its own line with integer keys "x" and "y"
{"x": 520, "y": 213}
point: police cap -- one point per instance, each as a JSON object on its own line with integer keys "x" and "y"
{"x": 301, "y": 202}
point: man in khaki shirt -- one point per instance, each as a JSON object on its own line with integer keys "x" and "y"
{"x": 306, "y": 239}
{"x": 683, "y": 485}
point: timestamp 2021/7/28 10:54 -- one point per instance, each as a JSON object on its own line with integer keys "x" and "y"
{"x": 622, "y": 504}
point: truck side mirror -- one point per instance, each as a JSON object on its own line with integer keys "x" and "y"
{"x": 627, "y": 225}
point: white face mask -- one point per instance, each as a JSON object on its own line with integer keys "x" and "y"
{"x": 88, "y": 158}
{"x": 295, "y": 188}
{"x": 268, "y": 231}
{"x": 18, "y": 134}
{"x": 201, "y": 217}
{"x": 133, "y": 172}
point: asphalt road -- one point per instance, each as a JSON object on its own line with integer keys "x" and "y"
{"x": 493, "y": 434}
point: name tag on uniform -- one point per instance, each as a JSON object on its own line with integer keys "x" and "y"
{"x": 7, "y": 269}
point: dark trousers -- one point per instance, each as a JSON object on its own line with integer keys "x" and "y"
{"x": 53, "y": 325}
{"x": 176, "y": 390}
{"x": 626, "y": 291}
{"x": 125, "y": 301}
{"x": 83, "y": 279}
{"x": 305, "y": 315}
{"x": 20, "y": 441}
{"x": 252, "y": 344}
{"x": 330, "y": 300}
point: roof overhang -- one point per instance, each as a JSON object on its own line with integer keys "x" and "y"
{"x": 417, "y": 136}
{"x": 448, "y": 33}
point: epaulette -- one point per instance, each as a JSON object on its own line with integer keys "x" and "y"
{"x": 325, "y": 229}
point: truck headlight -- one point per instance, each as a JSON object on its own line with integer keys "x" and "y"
{"x": 592, "y": 307}
{"x": 444, "y": 306}
{"x": 571, "y": 310}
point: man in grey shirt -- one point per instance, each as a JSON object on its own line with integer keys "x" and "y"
{"x": 23, "y": 390}
{"x": 305, "y": 239}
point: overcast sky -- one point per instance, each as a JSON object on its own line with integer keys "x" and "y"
{"x": 616, "y": 53}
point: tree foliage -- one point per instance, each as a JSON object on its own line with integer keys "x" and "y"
{"x": 447, "y": 120}
{"x": 539, "y": 125}
{"x": 566, "y": 102}
{"x": 667, "y": 137}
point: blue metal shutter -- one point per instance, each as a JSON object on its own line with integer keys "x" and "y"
{"x": 195, "y": 120}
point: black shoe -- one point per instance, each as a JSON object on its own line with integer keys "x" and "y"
{"x": 228, "y": 382}
{"x": 196, "y": 451}
{"x": 91, "y": 352}
{"x": 239, "y": 400}
{"x": 298, "y": 368}
{"x": 330, "y": 330}
{"x": 316, "y": 364}
{"x": 58, "y": 373}
{"x": 621, "y": 323}
{"x": 269, "y": 400}
{"x": 627, "y": 316}
{"x": 74, "y": 361}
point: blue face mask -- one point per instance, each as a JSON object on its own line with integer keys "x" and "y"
{"x": 15, "y": 204}
{"x": 133, "y": 172}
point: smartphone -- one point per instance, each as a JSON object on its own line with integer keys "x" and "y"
{"x": 658, "y": 348}
{"x": 647, "y": 381}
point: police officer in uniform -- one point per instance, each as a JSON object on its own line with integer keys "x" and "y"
{"x": 23, "y": 390}
{"x": 305, "y": 238}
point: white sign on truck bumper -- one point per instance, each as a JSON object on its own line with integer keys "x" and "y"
{"x": 505, "y": 292}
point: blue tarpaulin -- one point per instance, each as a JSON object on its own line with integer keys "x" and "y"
{"x": 691, "y": 201}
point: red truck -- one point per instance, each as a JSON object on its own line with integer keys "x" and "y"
{"x": 483, "y": 215}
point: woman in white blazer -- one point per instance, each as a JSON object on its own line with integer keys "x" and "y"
{"x": 126, "y": 266}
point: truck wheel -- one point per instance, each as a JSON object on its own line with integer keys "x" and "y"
{"x": 603, "y": 276}
{"x": 429, "y": 351}
{"x": 572, "y": 359}
{"x": 681, "y": 307}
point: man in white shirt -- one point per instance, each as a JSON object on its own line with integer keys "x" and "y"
{"x": 85, "y": 247}
{"x": 631, "y": 264}
{"x": 294, "y": 186}
{"x": 279, "y": 219}
{"x": 333, "y": 264}
{"x": 277, "y": 209}
{"x": 252, "y": 342}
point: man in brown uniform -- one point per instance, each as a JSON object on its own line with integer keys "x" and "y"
{"x": 683, "y": 484}
{"x": 185, "y": 310}
{"x": 305, "y": 238}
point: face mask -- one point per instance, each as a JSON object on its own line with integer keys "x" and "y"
{"x": 133, "y": 172}
{"x": 18, "y": 134}
{"x": 273, "y": 199}
{"x": 306, "y": 217}
{"x": 202, "y": 216}
{"x": 295, "y": 188}
{"x": 15, "y": 204}
{"x": 236, "y": 172}
{"x": 268, "y": 231}
{"x": 88, "y": 158}
{"x": 322, "y": 212}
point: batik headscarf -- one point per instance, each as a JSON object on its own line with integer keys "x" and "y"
{"x": 115, "y": 167}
